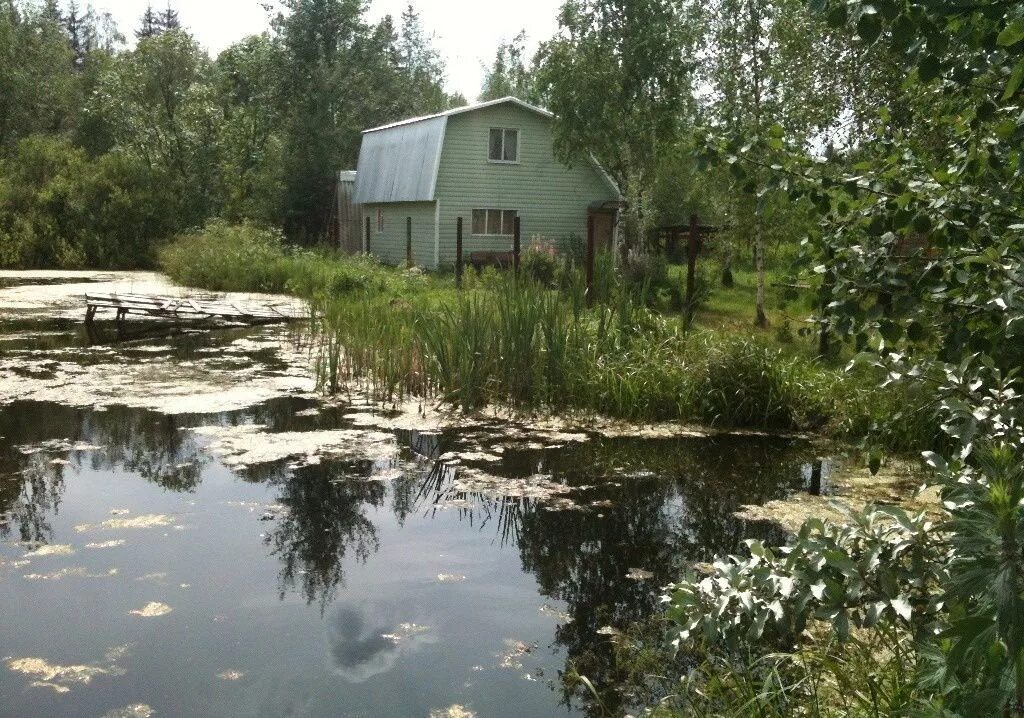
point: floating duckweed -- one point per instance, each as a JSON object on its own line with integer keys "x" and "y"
{"x": 56, "y": 549}
{"x": 152, "y": 609}
{"x": 452, "y": 711}
{"x": 639, "y": 574}
{"x": 145, "y": 521}
{"x": 70, "y": 572}
{"x": 136, "y": 710}
{"x": 514, "y": 651}
{"x": 106, "y": 544}
{"x": 404, "y": 632}
{"x": 62, "y": 678}
{"x": 450, "y": 578}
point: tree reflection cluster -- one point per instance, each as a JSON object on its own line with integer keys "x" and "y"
{"x": 649, "y": 504}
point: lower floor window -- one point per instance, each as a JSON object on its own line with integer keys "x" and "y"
{"x": 496, "y": 222}
{"x": 380, "y": 219}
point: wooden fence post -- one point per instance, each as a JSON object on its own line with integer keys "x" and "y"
{"x": 692, "y": 248}
{"x": 458, "y": 252}
{"x": 515, "y": 247}
{"x": 367, "y": 247}
{"x": 408, "y": 241}
{"x": 590, "y": 260}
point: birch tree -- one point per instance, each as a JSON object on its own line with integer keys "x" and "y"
{"x": 618, "y": 76}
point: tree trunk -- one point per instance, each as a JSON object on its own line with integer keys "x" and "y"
{"x": 762, "y": 318}
{"x": 756, "y": 69}
{"x": 727, "y": 279}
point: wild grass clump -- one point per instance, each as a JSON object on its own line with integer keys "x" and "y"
{"x": 518, "y": 344}
{"x": 248, "y": 258}
{"x": 742, "y": 383}
{"x": 533, "y": 344}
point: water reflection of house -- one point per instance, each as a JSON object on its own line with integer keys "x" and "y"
{"x": 488, "y": 163}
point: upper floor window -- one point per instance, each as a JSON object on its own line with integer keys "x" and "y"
{"x": 503, "y": 145}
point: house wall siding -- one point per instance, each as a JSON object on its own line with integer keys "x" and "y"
{"x": 551, "y": 199}
{"x": 389, "y": 246}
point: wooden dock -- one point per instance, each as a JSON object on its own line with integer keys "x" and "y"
{"x": 185, "y": 309}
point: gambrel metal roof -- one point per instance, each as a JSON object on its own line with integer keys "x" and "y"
{"x": 399, "y": 162}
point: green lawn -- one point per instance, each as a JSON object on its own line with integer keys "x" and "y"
{"x": 732, "y": 309}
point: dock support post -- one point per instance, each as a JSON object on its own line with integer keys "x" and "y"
{"x": 458, "y": 252}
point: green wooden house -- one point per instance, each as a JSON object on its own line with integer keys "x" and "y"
{"x": 486, "y": 163}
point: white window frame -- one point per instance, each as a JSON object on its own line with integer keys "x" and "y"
{"x": 501, "y": 223}
{"x": 519, "y": 145}
{"x": 380, "y": 220}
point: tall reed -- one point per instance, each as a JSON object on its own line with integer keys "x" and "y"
{"x": 516, "y": 343}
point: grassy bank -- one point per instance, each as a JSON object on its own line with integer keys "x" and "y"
{"x": 533, "y": 345}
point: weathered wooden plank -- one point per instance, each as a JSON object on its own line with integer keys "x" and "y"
{"x": 183, "y": 308}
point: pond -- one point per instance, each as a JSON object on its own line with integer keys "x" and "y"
{"x": 187, "y": 528}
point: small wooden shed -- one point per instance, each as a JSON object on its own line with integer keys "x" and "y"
{"x": 348, "y": 215}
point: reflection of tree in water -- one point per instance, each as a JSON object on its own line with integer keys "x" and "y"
{"x": 675, "y": 505}
{"x": 31, "y": 484}
{"x": 155, "y": 446}
{"x": 26, "y": 502}
{"x": 325, "y": 520}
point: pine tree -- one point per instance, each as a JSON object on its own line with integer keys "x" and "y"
{"x": 168, "y": 19}
{"x": 149, "y": 25}
{"x": 509, "y": 74}
{"x": 81, "y": 31}
{"x": 51, "y": 11}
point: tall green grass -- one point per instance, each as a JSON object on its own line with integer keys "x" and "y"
{"x": 519, "y": 344}
{"x": 536, "y": 346}
{"x": 247, "y": 258}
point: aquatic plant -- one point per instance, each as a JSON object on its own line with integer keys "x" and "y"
{"x": 518, "y": 344}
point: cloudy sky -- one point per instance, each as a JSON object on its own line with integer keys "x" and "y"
{"x": 466, "y": 31}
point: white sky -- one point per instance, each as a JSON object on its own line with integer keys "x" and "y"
{"x": 465, "y": 32}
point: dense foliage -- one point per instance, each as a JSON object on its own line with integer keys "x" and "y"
{"x": 105, "y": 152}
{"x": 920, "y": 248}
{"x": 533, "y": 344}
{"x": 876, "y": 143}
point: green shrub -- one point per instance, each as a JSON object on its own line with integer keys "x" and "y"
{"x": 741, "y": 383}
{"x": 226, "y": 257}
{"x": 58, "y": 208}
{"x": 540, "y": 263}
{"x": 573, "y": 248}
{"x": 247, "y": 257}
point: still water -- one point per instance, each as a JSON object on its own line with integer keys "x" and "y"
{"x": 293, "y": 557}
